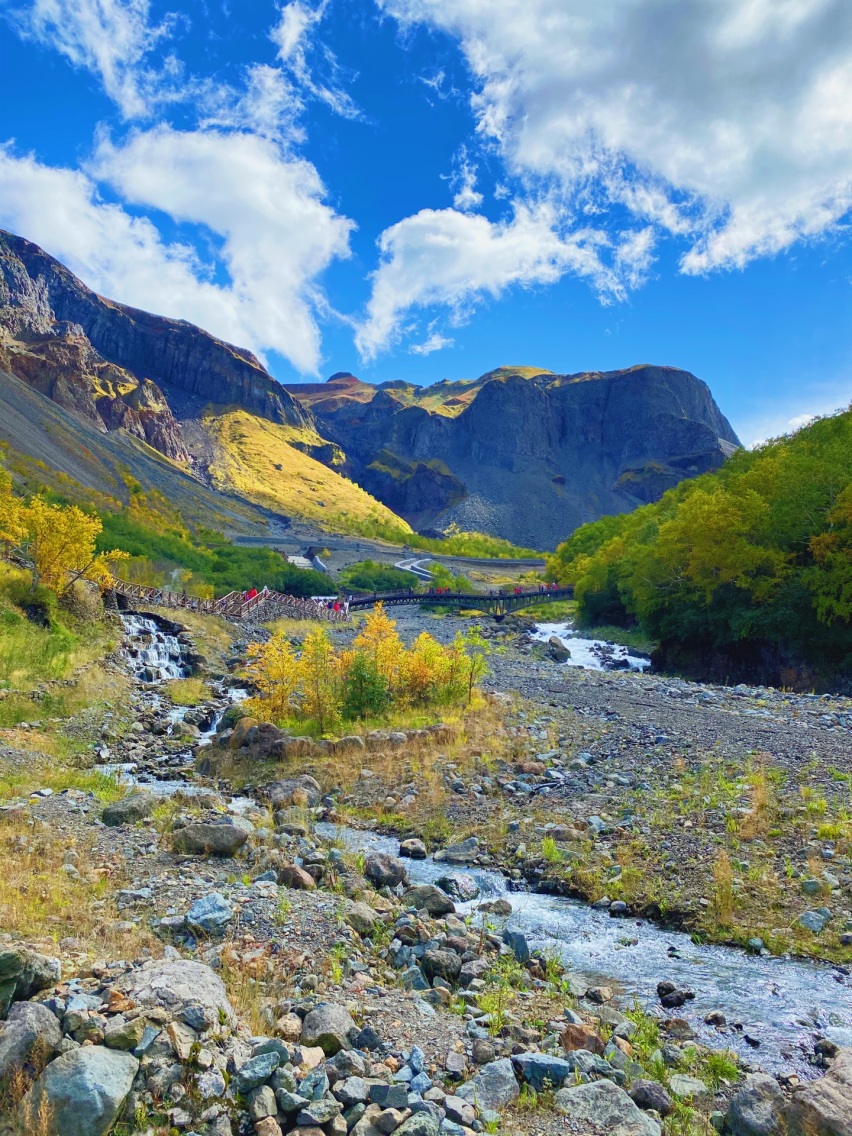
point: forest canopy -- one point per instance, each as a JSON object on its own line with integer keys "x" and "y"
{"x": 751, "y": 563}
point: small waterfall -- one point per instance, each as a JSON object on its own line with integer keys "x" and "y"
{"x": 153, "y": 654}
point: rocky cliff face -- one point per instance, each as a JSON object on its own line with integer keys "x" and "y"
{"x": 109, "y": 363}
{"x": 524, "y": 455}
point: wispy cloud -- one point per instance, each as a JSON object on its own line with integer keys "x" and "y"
{"x": 434, "y": 342}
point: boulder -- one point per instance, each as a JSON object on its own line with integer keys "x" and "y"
{"x": 462, "y": 852}
{"x": 384, "y": 870}
{"x": 135, "y": 806}
{"x": 684, "y": 1086}
{"x": 602, "y": 1105}
{"x": 581, "y": 1036}
{"x": 429, "y": 898}
{"x": 210, "y": 838}
{"x": 241, "y": 729}
{"x": 517, "y": 942}
{"x": 413, "y": 848}
{"x": 80, "y": 1093}
{"x": 460, "y": 887}
{"x": 652, "y": 1095}
{"x": 557, "y": 650}
{"x": 28, "y": 1039}
{"x": 543, "y": 1071}
{"x": 757, "y": 1109}
{"x": 282, "y": 793}
{"x": 330, "y": 1027}
{"x": 824, "y": 1107}
{"x": 420, "y": 1124}
{"x": 494, "y": 1086}
{"x": 209, "y": 915}
{"x": 189, "y": 990}
{"x": 23, "y": 973}
{"x": 292, "y": 876}
{"x": 441, "y": 964}
{"x": 361, "y": 917}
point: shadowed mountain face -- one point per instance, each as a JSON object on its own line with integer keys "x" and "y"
{"x": 525, "y": 454}
{"x": 109, "y": 363}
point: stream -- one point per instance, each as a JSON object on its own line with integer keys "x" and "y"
{"x": 590, "y": 654}
{"x": 780, "y": 1002}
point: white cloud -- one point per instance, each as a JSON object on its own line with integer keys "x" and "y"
{"x": 786, "y": 416}
{"x": 294, "y": 36}
{"x": 727, "y": 122}
{"x": 433, "y": 342}
{"x": 276, "y": 233}
{"x": 110, "y": 38}
{"x": 445, "y": 257}
{"x": 464, "y": 182}
{"x": 268, "y": 105}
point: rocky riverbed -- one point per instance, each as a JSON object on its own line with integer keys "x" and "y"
{"x": 283, "y": 977}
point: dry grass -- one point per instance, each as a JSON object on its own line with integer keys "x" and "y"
{"x": 43, "y": 902}
{"x": 211, "y": 634}
{"x": 187, "y": 691}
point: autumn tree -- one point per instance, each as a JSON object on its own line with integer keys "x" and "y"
{"x": 277, "y": 673}
{"x": 58, "y": 546}
{"x": 320, "y": 679}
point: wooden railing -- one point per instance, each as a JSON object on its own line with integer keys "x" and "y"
{"x": 235, "y": 605}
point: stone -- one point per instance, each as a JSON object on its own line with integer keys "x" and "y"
{"x": 542, "y": 1071}
{"x": 262, "y": 1103}
{"x": 757, "y": 1109}
{"x": 28, "y": 1039}
{"x": 330, "y": 1027}
{"x": 207, "y": 838}
{"x": 462, "y": 852}
{"x": 80, "y": 1093}
{"x": 420, "y": 1124}
{"x": 269, "y": 1126}
{"x": 441, "y": 964}
{"x": 209, "y": 915}
{"x": 684, "y": 1086}
{"x": 384, "y": 870}
{"x": 517, "y": 943}
{"x": 813, "y": 921}
{"x": 319, "y": 1112}
{"x": 389, "y": 1096}
{"x": 361, "y": 917}
{"x": 557, "y": 650}
{"x": 187, "y": 989}
{"x": 413, "y": 848}
{"x": 351, "y": 1090}
{"x": 292, "y": 876}
{"x": 135, "y": 806}
{"x": 255, "y": 1071}
{"x": 576, "y": 1036}
{"x": 428, "y": 898}
{"x": 824, "y": 1107}
{"x": 494, "y": 1086}
{"x": 651, "y": 1095}
{"x": 459, "y": 1110}
{"x": 23, "y": 973}
{"x": 603, "y": 1106}
{"x": 390, "y": 1119}
{"x": 124, "y": 1035}
{"x": 460, "y": 887}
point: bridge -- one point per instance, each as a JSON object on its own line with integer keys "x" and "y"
{"x": 235, "y": 605}
{"x": 496, "y": 603}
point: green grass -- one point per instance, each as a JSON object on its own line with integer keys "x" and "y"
{"x": 187, "y": 691}
{"x": 626, "y": 636}
{"x": 20, "y": 782}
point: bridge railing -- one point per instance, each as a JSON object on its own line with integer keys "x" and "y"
{"x": 235, "y": 605}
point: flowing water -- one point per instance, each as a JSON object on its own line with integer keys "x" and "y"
{"x": 590, "y": 654}
{"x": 152, "y": 654}
{"x": 783, "y": 1003}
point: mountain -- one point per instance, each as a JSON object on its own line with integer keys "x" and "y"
{"x": 519, "y": 452}
{"x": 207, "y": 406}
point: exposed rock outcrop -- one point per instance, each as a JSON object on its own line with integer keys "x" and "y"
{"x": 523, "y": 454}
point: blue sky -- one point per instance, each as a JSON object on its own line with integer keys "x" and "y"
{"x": 427, "y": 189}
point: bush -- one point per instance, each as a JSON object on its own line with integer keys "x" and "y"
{"x": 365, "y": 693}
{"x": 369, "y": 576}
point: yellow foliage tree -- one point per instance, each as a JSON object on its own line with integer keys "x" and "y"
{"x": 58, "y": 546}
{"x": 11, "y": 525}
{"x": 380, "y": 642}
{"x": 320, "y": 679}
{"x": 278, "y": 674}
